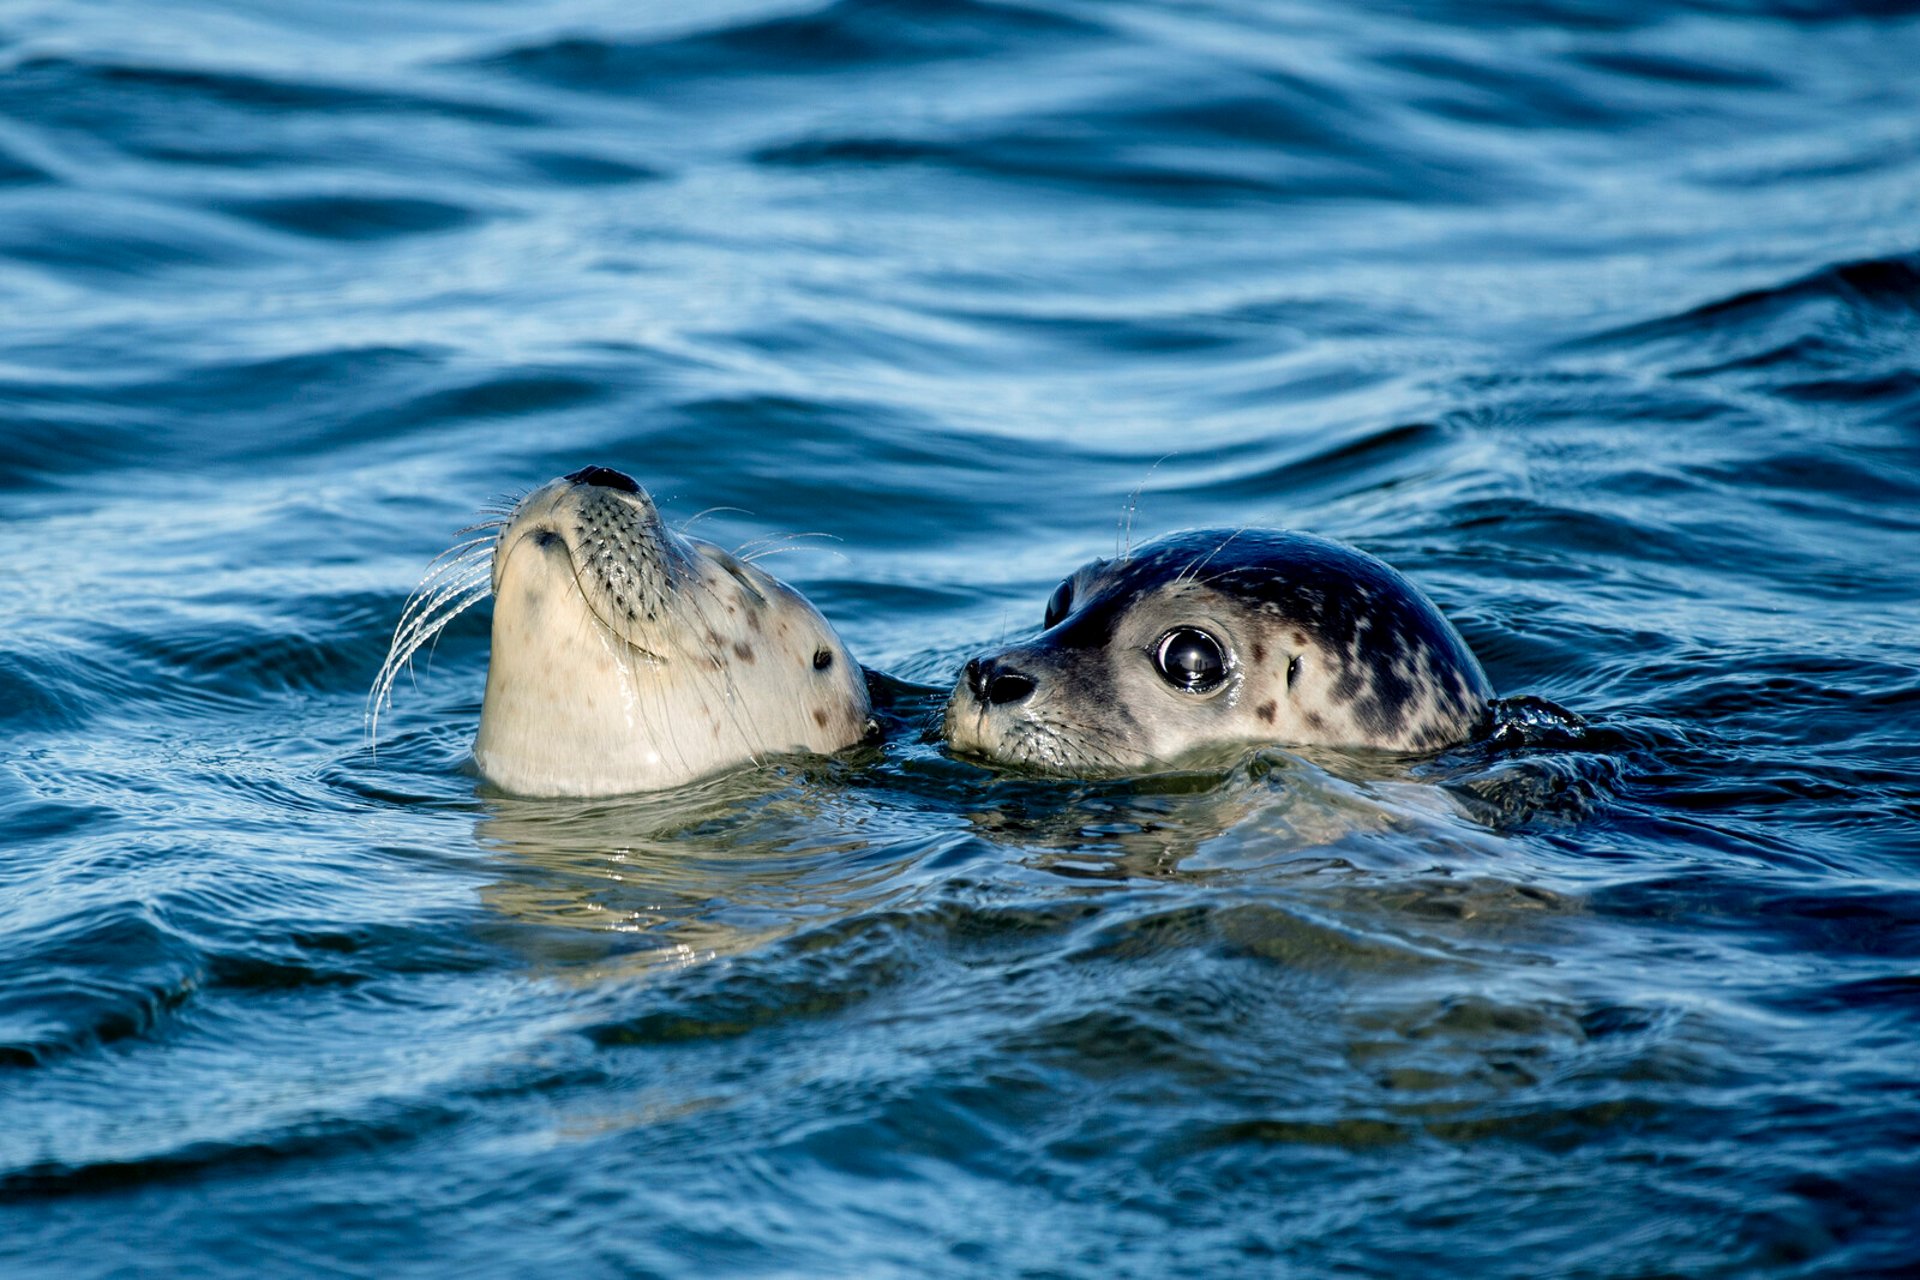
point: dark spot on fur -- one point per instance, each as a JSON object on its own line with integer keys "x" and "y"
{"x": 1316, "y": 721}
{"x": 820, "y": 717}
{"x": 1299, "y": 639}
{"x": 1265, "y": 711}
{"x": 743, "y": 651}
{"x": 1259, "y": 652}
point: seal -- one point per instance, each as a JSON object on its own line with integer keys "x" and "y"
{"x": 629, "y": 657}
{"x": 1222, "y": 637}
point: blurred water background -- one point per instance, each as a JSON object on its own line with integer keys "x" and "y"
{"x": 1602, "y": 321}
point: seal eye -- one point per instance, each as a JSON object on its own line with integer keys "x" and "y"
{"x": 822, "y": 659}
{"x": 1058, "y": 603}
{"x": 1190, "y": 660}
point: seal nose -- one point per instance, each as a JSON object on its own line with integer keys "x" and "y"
{"x": 996, "y": 685}
{"x": 605, "y": 478}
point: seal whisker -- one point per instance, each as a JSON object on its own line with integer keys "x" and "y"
{"x": 698, "y": 516}
{"x": 469, "y": 548}
{"x": 505, "y": 503}
{"x": 1123, "y": 538}
{"x": 472, "y": 567}
{"x": 473, "y": 549}
{"x": 465, "y": 545}
{"x": 429, "y": 616}
{"x": 416, "y": 614}
{"x": 1192, "y": 571}
{"x": 426, "y": 599}
{"x": 401, "y": 651}
{"x": 764, "y": 552}
{"x": 756, "y": 546}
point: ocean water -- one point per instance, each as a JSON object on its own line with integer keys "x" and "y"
{"x": 1601, "y": 321}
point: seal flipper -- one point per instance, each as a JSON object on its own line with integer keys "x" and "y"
{"x": 1529, "y": 721}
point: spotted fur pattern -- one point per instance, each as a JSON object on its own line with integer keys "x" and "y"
{"x": 1325, "y": 645}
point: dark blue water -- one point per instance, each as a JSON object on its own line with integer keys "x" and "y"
{"x": 1602, "y": 322}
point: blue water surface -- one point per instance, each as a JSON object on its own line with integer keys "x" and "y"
{"x": 1601, "y": 321}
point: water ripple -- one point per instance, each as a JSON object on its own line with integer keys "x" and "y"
{"x": 1600, "y": 322}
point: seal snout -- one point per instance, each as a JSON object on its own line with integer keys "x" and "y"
{"x": 605, "y": 478}
{"x": 996, "y": 684}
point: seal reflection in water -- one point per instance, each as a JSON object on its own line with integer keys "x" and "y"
{"x": 628, "y": 657}
{"x": 1222, "y": 637}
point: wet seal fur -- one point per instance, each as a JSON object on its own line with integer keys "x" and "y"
{"x": 630, "y": 657}
{"x": 1222, "y": 637}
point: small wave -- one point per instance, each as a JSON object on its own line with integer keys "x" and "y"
{"x": 585, "y": 169}
{"x": 17, "y": 172}
{"x": 340, "y": 217}
{"x": 316, "y": 1137}
{"x": 1201, "y": 145}
{"x": 1888, "y": 288}
{"x": 823, "y": 972}
{"x": 845, "y": 35}
{"x": 81, "y": 92}
{"x": 87, "y": 980}
{"x": 273, "y": 408}
{"x": 114, "y": 239}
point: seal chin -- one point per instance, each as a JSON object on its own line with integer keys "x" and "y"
{"x": 628, "y": 657}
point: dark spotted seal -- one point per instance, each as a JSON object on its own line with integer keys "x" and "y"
{"x": 629, "y": 657}
{"x": 1221, "y": 637}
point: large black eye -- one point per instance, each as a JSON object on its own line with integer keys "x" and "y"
{"x": 1058, "y": 603}
{"x": 1191, "y": 660}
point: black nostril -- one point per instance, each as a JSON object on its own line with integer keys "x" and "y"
{"x": 997, "y": 685}
{"x": 605, "y": 478}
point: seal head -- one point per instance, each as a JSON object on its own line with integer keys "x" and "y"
{"x": 628, "y": 657}
{"x": 1222, "y": 637}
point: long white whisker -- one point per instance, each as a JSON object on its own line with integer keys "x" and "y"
{"x": 425, "y": 628}
{"x": 688, "y": 523}
{"x": 741, "y": 551}
{"x": 764, "y": 552}
{"x": 1192, "y": 571}
{"x": 1124, "y": 551}
{"x": 473, "y": 564}
{"x": 425, "y": 602}
{"x": 408, "y": 638}
{"x": 461, "y": 548}
{"x": 404, "y": 649}
{"x": 454, "y": 556}
{"x": 504, "y": 504}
